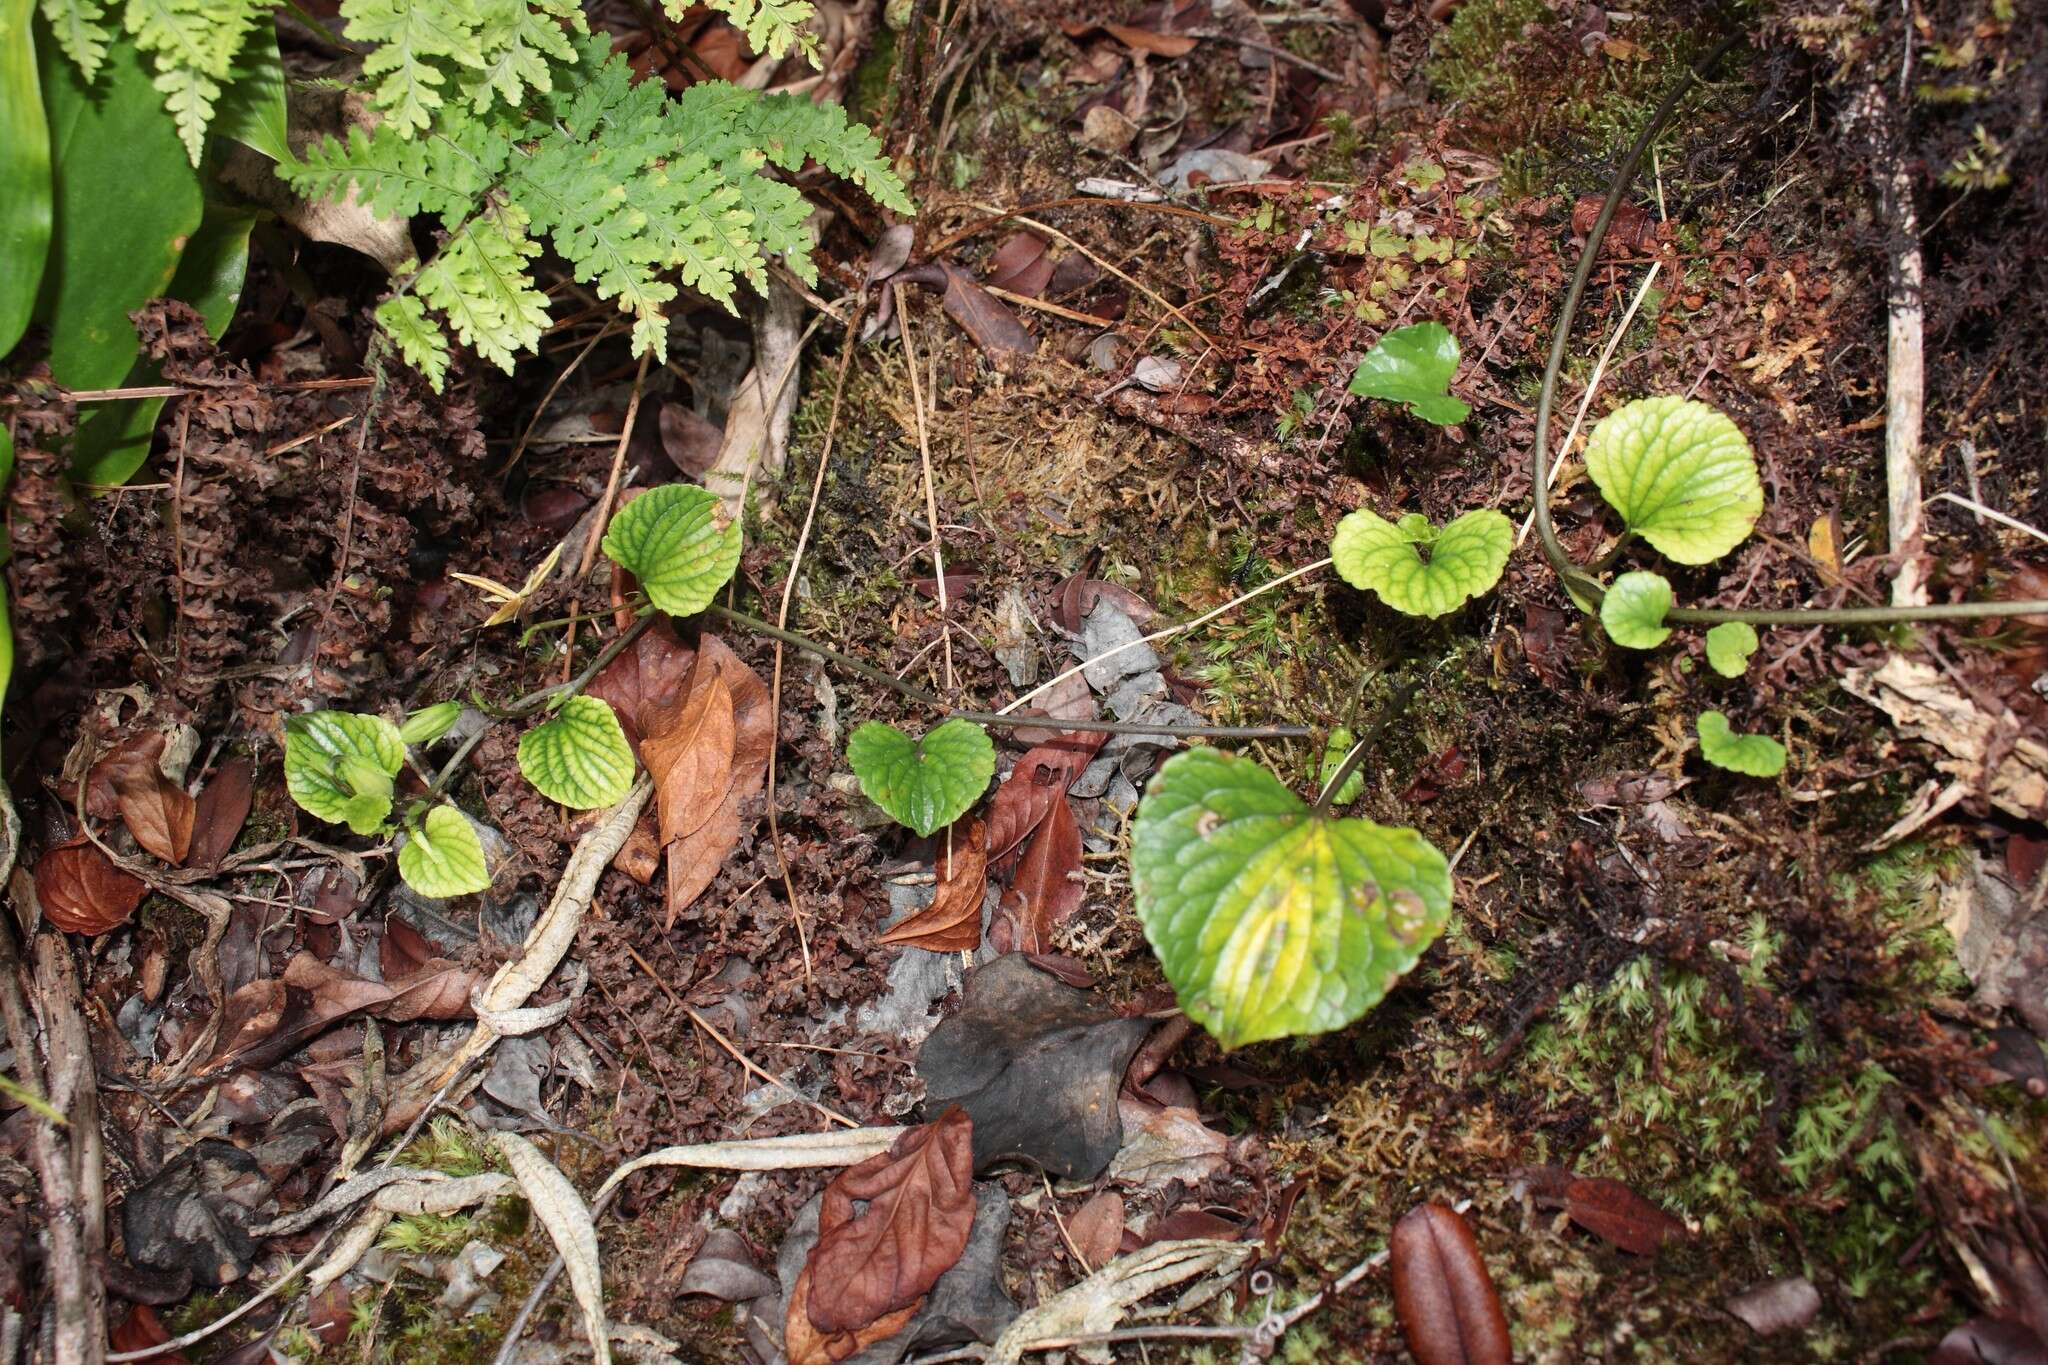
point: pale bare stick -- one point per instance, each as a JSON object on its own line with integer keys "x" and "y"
{"x": 1168, "y": 633}
{"x": 1972, "y": 505}
{"x": 931, "y": 501}
{"x": 604, "y": 513}
{"x": 1592, "y": 387}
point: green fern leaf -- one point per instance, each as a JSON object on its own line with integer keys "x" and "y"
{"x": 192, "y": 44}
{"x": 519, "y": 46}
{"x": 400, "y": 176}
{"x": 418, "y": 337}
{"x": 481, "y": 281}
{"x": 773, "y": 27}
{"x": 80, "y": 27}
{"x": 414, "y": 40}
{"x": 791, "y": 130}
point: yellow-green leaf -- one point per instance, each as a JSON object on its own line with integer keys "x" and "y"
{"x": 1681, "y": 475}
{"x": 1750, "y": 755}
{"x": 1418, "y": 569}
{"x": 926, "y": 784}
{"x": 1634, "y": 610}
{"x": 339, "y": 766}
{"x": 675, "y": 540}
{"x": 580, "y": 756}
{"x": 443, "y": 857}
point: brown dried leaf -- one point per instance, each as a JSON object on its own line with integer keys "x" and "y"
{"x": 687, "y": 745}
{"x": 1070, "y": 698}
{"x": 1047, "y": 887}
{"x": 1021, "y": 264}
{"x": 156, "y": 810}
{"x": 1442, "y": 1293}
{"x": 1617, "y": 1214}
{"x": 952, "y": 922}
{"x": 920, "y": 1209}
{"x": 690, "y": 441}
{"x": 1035, "y": 785}
{"x": 1097, "y": 1229}
{"x": 640, "y": 679}
{"x": 220, "y": 813}
{"x": 983, "y": 316}
{"x": 1990, "y": 1341}
{"x": 1080, "y": 593}
{"x": 640, "y": 856}
{"x": 1780, "y": 1306}
{"x": 1145, "y": 40}
{"x": 804, "y": 1344}
{"x": 81, "y": 890}
{"x": 694, "y": 859}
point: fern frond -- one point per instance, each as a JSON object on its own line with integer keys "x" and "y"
{"x": 443, "y": 173}
{"x": 80, "y": 27}
{"x": 415, "y": 43}
{"x": 192, "y": 44}
{"x": 481, "y": 281}
{"x": 519, "y": 45}
{"x": 419, "y": 338}
{"x": 773, "y": 27}
{"x": 791, "y": 130}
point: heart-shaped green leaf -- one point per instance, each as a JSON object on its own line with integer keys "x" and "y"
{"x": 674, "y": 540}
{"x": 926, "y": 784}
{"x": 1414, "y": 365}
{"x": 580, "y": 757}
{"x": 1269, "y": 920}
{"x": 1729, "y": 646}
{"x": 1681, "y": 475}
{"x": 443, "y": 857}
{"x": 1750, "y": 755}
{"x": 339, "y": 766}
{"x": 1634, "y": 610}
{"x": 429, "y": 723}
{"x": 1418, "y": 569}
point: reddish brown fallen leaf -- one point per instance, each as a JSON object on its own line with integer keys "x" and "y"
{"x": 1079, "y": 594}
{"x": 952, "y": 922}
{"x": 694, "y": 859}
{"x": 983, "y": 316}
{"x": 157, "y": 811}
{"x": 1442, "y": 1293}
{"x": 1063, "y": 968}
{"x": 1438, "y": 771}
{"x": 687, "y": 745}
{"x": 1990, "y": 1341}
{"x": 1020, "y": 264}
{"x": 1046, "y": 888}
{"x": 1069, "y": 698}
{"x": 690, "y": 441}
{"x": 1097, "y": 1229}
{"x": 220, "y": 812}
{"x": 1617, "y": 1214}
{"x": 1038, "y": 783}
{"x": 1192, "y": 1225}
{"x": 654, "y": 669}
{"x": 81, "y": 890}
{"x": 804, "y": 1344}
{"x": 920, "y": 1209}
{"x": 139, "y": 1331}
{"x": 640, "y": 856}
{"x": 1137, "y": 39}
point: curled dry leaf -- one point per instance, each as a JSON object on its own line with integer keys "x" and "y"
{"x": 688, "y": 750}
{"x": 952, "y": 922}
{"x": 980, "y": 314}
{"x": 1038, "y": 783}
{"x": 1779, "y": 1306}
{"x": 920, "y": 1209}
{"x": 805, "y": 1344}
{"x": 1617, "y": 1214}
{"x": 562, "y": 1212}
{"x": 81, "y": 890}
{"x": 694, "y": 859}
{"x": 1021, "y": 264}
{"x": 1442, "y": 1293}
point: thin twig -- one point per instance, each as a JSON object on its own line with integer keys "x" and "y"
{"x": 931, "y": 501}
{"x": 604, "y": 507}
{"x": 541, "y": 408}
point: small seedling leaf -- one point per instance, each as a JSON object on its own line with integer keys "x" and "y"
{"x": 339, "y": 766}
{"x": 1681, "y": 475}
{"x": 443, "y": 857}
{"x": 1341, "y": 740}
{"x": 1634, "y": 609}
{"x": 674, "y": 540}
{"x": 1269, "y": 920}
{"x": 926, "y": 784}
{"x": 580, "y": 756}
{"x": 1729, "y": 646}
{"x": 1750, "y": 755}
{"x": 429, "y": 723}
{"x": 1414, "y": 365}
{"x": 1418, "y": 569}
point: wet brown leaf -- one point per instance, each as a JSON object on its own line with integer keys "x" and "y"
{"x": 1039, "y": 781}
{"x": 81, "y": 890}
{"x": 221, "y": 811}
{"x": 1080, "y": 593}
{"x": 139, "y": 1331}
{"x": 920, "y": 1209}
{"x": 983, "y": 316}
{"x": 1442, "y": 1293}
{"x": 694, "y": 859}
{"x": 1046, "y": 888}
{"x": 640, "y": 679}
{"x": 687, "y": 745}
{"x": 1021, "y": 265}
{"x": 804, "y": 1344}
{"x": 952, "y": 922}
{"x": 1990, "y": 1341}
{"x": 1097, "y": 1228}
{"x": 1617, "y": 1214}
{"x": 127, "y": 781}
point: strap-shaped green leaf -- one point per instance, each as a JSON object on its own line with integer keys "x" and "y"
{"x": 339, "y": 766}
{"x": 1334, "y": 753}
{"x": 1634, "y": 610}
{"x": 1414, "y": 365}
{"x": 580, "y": 757}
{"x": 926, "y": 784}
{"x": 443, "y": 857}
{"x": 429, "y": 723}
{"x": 1750, "y": 755}
{"x": 674, "y": 541}
{"x": 1269, "y": 920}
{"x": 1681, "y": 475}
{"x": 1729, "y": 646}
{"x": 1418, "y": 569}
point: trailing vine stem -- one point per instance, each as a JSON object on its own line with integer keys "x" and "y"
{"x": 1575, "y": 577}
{"x": 924, "y": 698}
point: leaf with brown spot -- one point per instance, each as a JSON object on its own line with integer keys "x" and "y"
{"x": 687, "y": 745}
{"x": 1442, "y": 1293}
{"x": 1617, "y": 1214}
{"x": 81, "y": 890}
{"x": 1046, "y": 888}
{"x": 920, "y": 1209}
{"x": 952, "y": 922}
{"x": 220, "y": 812}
